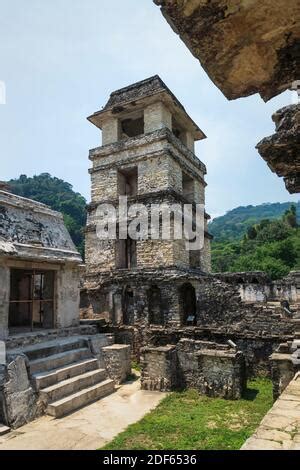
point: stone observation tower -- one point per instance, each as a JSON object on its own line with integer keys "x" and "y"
{"x": 147, "y": 154}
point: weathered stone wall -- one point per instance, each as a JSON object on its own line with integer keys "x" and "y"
{"x": 18, "y": 401}
{"x": 117, "y": 360}
{"x": 220, "y": 315}
{"x": 68, "y": 296}
{"x": 33, "y": 236}
{"x": 159, "y": 366}
{"x": 97, "y": 342}
{"x": 4, "y": 300}
{"x": 157, "y": 116}
{"x": 256, "y": 286}
{"x": 285, "y": 362}
{"x": 160, "y": 159}
{"x": 212, "y": 369}
{"x": 27, "y": 225}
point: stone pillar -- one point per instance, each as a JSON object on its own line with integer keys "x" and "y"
{"x": 117, "y": 361}
{"x": 117, "y": 308}
{"x": 111, "y": 131}
{"x": 190, "y": 142}
{"x": 68, "y": 296}
{"x": 4, "y": 301}
{"x": 282, "y": 370}
{"x": 159, "y": 368}
{"x": 157, "y": 116}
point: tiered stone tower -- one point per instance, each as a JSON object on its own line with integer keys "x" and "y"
{"x": 147, "y": 154}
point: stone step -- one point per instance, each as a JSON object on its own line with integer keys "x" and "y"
{"x": 70, "y": 386}
{"x": 80, "y": 399}
{"x": 4, "y": 429}
{"x": 48, "y": 378}
{"x": 49, "y": 348}
{"x": 59, "y": 360}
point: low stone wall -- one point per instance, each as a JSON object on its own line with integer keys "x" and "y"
{"x": 256, "y": 286}
{"x": 256, "y": 348}
{"x": 117, "y": 361}
{"x": 285, "y": 363}
{"x": 214, "y": 370}
{"x": 159, "y": 367}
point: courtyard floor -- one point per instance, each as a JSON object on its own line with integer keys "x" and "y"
{"x": 88, "y": 428}
{"x": 186, "y": 420}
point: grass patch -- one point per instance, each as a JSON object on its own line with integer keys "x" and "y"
{"x": 136, "y": 365}
{"x": 186, "y": 420}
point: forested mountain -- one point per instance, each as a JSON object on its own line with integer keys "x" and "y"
{"x": 60, "y": 196}
{"x": 234, "y": 224}
{"x": 271, "y": 244}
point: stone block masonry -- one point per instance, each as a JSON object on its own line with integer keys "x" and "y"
{"x": 117, "y": 361}
{"x": 159, "y": 368}
{"x": 214, "y": 370}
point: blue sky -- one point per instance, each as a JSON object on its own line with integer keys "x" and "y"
{"x": 60, "y": 59}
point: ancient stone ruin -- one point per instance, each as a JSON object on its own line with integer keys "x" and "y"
{"x": 49, "y": 362}
{"x": 39, "y": 268}
{"x": 154, "y": 294}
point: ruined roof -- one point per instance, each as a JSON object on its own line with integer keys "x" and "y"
{"x": 31, "y": 230}
{"x": 139, "y": 90}
{"x": 244, "y": 46}
{"x": 140, "y": 94}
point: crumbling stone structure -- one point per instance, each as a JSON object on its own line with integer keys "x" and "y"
{"x": 39, "y": 268}
{"x": 49, "y": 363}
{"x": 147, "y": 155}
{"x": 212, "y": 369}
{"x": 256, "y": 286}
{"x": 285, "y": 363}
{"x": 154, "y": 293}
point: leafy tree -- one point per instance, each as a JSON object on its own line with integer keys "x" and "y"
{"x": 274, "y": 231}
{"x": 251, "y": 233}
{"x": 290, "y": 216}
{"x": 272, "y": 246}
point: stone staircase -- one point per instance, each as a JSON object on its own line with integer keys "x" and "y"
{"x": 66, "y": 375}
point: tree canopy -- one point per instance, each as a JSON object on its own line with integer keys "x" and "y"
{"x": 270, "y": 245}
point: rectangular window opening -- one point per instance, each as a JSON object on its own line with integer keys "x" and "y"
{"x": 188, "y": 187}
{"x": 132, "y": 126}
{"x": 127, "y": 182}
{"x": 126, "y": 253}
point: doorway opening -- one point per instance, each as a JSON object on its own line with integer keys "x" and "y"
{"x": 154, "y": 306}
{"x": 188, "y": 304}
{"x": 31, "y": 303}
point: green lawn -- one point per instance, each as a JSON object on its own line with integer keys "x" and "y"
{"x": 185, "y": 420}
